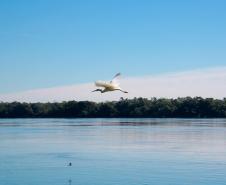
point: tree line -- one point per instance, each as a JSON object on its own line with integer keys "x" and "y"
{"x": 187, "y": 107}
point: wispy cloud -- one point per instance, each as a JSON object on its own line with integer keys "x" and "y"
{"x": 205, "y": 83}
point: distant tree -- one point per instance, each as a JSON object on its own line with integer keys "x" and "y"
{"x": 186, "y": 107}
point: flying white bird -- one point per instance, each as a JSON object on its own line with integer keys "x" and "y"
{"x": 113, "y": 85}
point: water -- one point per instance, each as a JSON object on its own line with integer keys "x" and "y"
{"x": 113, "y": 151}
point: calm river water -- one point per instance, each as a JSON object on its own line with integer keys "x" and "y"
{"x": 113, "y": 151}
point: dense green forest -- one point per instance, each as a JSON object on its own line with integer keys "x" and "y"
{"x": 138, "y": 107}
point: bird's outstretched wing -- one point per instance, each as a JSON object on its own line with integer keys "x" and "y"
{"x": 103, "y": 84}
{"x": 118, "y": 74}
{"x": 115, "y": 79}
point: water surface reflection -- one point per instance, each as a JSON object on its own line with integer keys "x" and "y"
{"x": 113, "y": 151}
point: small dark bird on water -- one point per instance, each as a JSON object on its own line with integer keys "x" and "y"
{"x": 69, "y": 181}
{"x": 70, "y": 164}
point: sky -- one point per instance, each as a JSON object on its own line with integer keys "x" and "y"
{"x": 207, "y": 83}
{"x": 53, "y": 43}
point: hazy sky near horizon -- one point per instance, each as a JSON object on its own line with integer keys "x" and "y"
{"x": 48, "y": 43}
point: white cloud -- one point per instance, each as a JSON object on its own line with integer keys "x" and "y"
{"x": 205, "y": 83}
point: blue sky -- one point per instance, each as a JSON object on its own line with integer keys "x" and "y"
{"x": 49, "y": 43}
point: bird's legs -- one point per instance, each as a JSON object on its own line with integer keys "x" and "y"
{"x": 122, "y": 90}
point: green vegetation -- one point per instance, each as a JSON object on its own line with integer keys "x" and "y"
{"x": 138, "y": 107}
